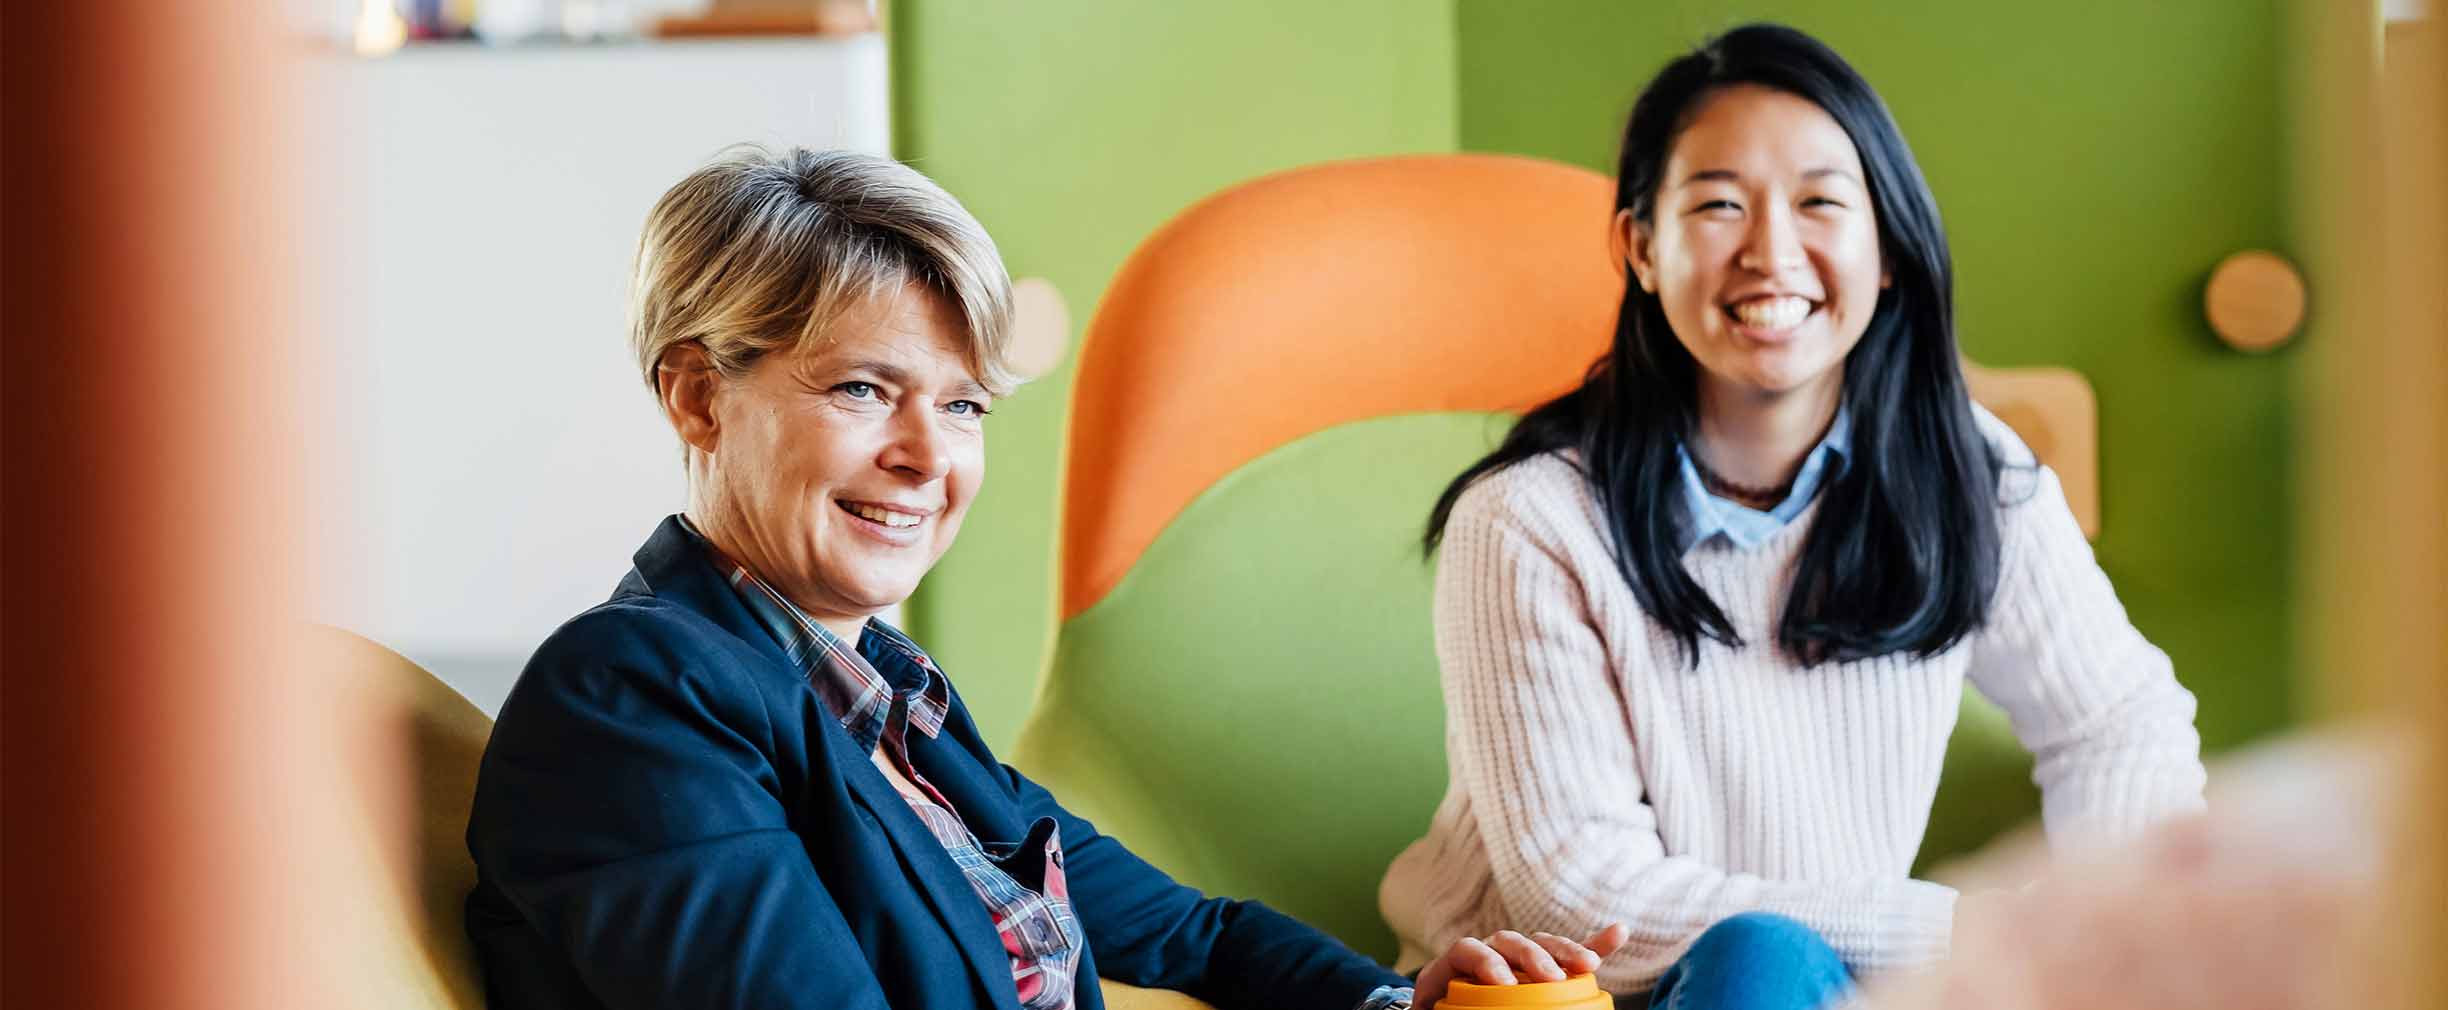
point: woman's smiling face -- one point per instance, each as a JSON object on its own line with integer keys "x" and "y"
{"x": 839, "y": 473}
{"x": 1761, "y": 244}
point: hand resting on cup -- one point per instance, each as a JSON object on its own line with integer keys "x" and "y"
{"x": 1510, "y": 958}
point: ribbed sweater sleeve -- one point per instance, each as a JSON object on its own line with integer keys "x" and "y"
{"x": 2110, "y": 729}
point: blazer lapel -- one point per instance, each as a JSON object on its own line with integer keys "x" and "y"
{"x": 983, "y": 799}
{"x": 671, "y": 566}
{"x": 939, "y": 879}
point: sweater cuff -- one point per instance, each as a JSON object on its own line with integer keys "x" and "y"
{"x": 1916, "y": 927}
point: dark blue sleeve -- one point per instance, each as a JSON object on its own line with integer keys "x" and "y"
{"x": 1147, "y": 930}
{"x": 628, "y": 810}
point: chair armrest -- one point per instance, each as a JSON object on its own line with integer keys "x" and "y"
{"x": 1130, "y": 997}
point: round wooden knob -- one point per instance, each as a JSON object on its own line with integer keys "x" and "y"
{"x": 2255, "y": 300}
{"x": 1041, "y": 327}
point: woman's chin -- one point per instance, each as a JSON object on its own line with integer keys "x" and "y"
{"x": 1782, "y": 375}
{"x": 876, "y": 598}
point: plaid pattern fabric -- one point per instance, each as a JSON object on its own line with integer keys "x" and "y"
{"x": 1038, "y": 927}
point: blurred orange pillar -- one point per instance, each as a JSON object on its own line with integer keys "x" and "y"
{"x": 169, "y": 767}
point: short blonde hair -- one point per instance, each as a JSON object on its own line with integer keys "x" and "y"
{"x": 762, "y": 251}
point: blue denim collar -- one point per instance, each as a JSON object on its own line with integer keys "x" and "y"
{"x": 1707, "y": 515}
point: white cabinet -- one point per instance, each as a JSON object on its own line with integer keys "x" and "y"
{"x": 500, "y": 456}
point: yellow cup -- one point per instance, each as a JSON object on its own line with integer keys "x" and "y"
{"x": 1579, "y": 992}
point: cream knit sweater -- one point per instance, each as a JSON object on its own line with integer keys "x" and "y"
{"x": 1596, "y": 778}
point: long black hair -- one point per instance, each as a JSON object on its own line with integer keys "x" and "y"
{"x": 1903, "y": 554}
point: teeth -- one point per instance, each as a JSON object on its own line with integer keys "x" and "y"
{"x": 896, "y": 520}
{"x": 1773, "y": 313}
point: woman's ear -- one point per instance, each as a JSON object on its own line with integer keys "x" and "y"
{"x": 1628, "y": 242}
{"x": 686, "y": 382}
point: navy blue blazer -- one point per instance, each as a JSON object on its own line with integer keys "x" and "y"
{"x": 668, "y": 816}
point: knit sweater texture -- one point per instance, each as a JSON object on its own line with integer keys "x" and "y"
{"x": 1596, "y": 776}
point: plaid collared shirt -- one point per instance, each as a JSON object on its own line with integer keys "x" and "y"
{"x": 1038, "y": 927}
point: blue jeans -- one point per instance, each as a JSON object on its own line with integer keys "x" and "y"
{"x": 1752, "y": 961}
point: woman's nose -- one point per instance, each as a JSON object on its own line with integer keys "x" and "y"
{"x": 1774, "y": 245}
{"x": 918, "y": 447}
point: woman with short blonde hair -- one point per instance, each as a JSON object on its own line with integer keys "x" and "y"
{"x": 763, "y": 251}
{"x": 730, "y": 785}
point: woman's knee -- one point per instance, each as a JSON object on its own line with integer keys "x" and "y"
{"x": 1754, "y": 961}
{"x": 1765, "y": 935}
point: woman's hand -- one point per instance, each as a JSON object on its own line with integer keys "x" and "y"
{"x": 1508, "y": 958}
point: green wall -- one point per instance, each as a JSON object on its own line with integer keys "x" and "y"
{"x": 1072, "y": 130}
{"x": 2094, "y": 160}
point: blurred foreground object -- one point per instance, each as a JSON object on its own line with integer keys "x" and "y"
{"x": 2262, "y": 903}
{"x": 2371, "y": 104}
{"x": 179, "y": 777}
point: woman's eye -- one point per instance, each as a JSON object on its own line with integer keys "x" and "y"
{"x": 967, "y": 408}
{"x": 1717, "y": 205}
{"x": 1821, "y": 201}
{"x": 857, "y": 390}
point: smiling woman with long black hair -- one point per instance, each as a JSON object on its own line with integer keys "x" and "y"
{"x": 1705, "y": 621}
